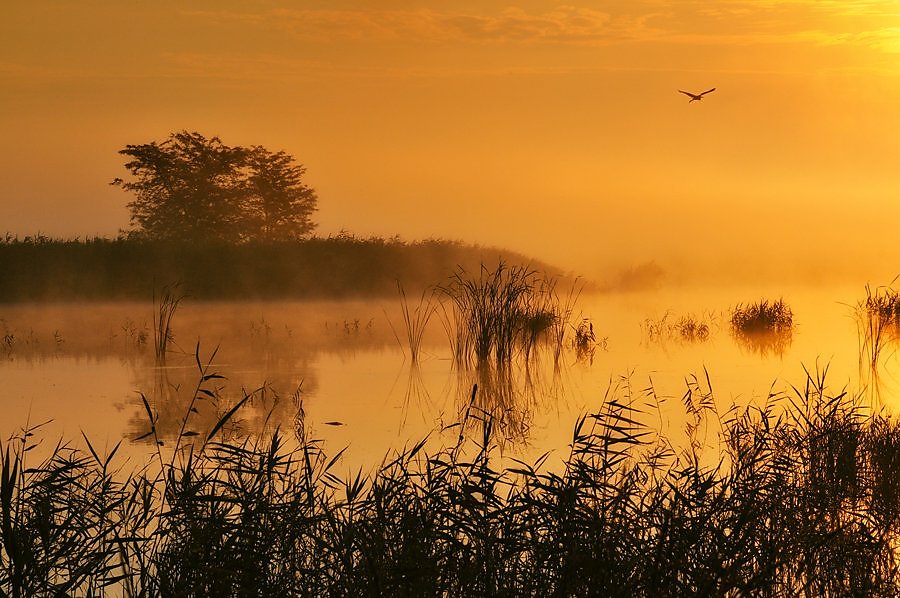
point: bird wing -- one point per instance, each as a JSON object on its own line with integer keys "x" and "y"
{"x": 708, "y": 91}
{"x": 687, "y": 93}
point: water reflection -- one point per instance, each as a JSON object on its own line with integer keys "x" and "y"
{"x": 85, "y": 366}
{"x": 765, "y": 344}
{"x": 416, "y": 397}
{"x": 197, "y": 392}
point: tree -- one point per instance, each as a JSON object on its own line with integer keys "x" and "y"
{"x": 279, "y": 205}
{"x": 191, "y": 187}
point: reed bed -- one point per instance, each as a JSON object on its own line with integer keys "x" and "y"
{"x": 800, "y": 496}
{"x": 763, "y": 326}
{"x": 502, "y": 313}
{"x": 762, "y": 317}
{"x": 39, "y": 269}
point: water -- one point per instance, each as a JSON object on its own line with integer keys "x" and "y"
{"x": 85, "y": 367}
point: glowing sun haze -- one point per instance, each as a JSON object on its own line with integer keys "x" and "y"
{"x": 552, "y": 129}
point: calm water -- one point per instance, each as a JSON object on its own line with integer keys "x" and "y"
{"x": 85, "y": 367}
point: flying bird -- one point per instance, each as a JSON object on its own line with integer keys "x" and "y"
{"x": 696, "y": 97}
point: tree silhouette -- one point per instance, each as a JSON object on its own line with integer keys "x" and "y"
{"x": 191, "y": 187}
{"x": 279, "y": 205}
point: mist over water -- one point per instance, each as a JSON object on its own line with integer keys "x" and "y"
{"x": 345, "y": 364}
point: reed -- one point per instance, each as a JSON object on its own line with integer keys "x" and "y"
{"x": 692, "y": 329}
{"x": 415, "y": 321}
{"x": 499, "y": 314}
{"x": 763, "y": 326}
{"x": 687, "y": 328}
{"x": 162, "y": 323}
{"x": 564, "y": 311}
{"x": 797, "y": 496}
{"x": 762, "y": 317}
{"x": 877, "y": 319}
{"x": 585, "y": 339}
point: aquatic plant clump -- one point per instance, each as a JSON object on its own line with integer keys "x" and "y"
{"x": 762, "y": 317}
{"x": 501, "y": 313}
{"x": 585, "y": 339}
{"x": 688, "y": 328}
{"x": 692, "y": 329}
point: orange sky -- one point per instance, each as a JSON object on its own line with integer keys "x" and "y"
{"x": 552, "y": 129}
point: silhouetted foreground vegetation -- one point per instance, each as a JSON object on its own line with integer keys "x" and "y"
{"x": 341, "y": 266}
{"x": 801, "y": 496}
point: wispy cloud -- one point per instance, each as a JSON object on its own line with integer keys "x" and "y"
{"x": 564, "y": 24}
{"x": 279, "y": 40}
{"x": 869, "y": 23}
{"x": 267, "y": 67}
{"x": 885, "y": 40}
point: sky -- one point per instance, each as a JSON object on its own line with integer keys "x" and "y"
{"x": 551, "y": 128}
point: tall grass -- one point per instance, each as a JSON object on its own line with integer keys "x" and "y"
{"x": 499, "y": 314}
{"x": 687, "y": 328}
{"x": 877, "y": 319}
{"x": 799, "y": 496}
{"x": 762, "y": 316}
{"x": 415, "y": 321}
{"x": 585, "y": 341}
{"x": 564, "y": 310}
{"x": 763, "y": 326}
{"x": 162, "y": 323}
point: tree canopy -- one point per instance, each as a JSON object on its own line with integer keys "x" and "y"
{"x": 191, "y": 187}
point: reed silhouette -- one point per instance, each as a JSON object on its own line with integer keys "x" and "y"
{"x": 798, "y": 496}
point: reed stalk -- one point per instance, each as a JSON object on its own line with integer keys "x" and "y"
{"x": 162, "y": 323}
{"x": 877, "y": 318}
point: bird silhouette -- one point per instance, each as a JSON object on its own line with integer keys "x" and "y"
{"x": 696, "y": 97}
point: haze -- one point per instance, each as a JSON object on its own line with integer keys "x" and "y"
{"x": 549, "y": 129}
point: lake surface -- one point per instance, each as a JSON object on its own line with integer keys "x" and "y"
{"x": 86, "y": 366}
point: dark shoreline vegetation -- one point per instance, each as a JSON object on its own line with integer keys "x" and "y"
{"x": 799, "y": 496}
{"x": 39, "y": 269}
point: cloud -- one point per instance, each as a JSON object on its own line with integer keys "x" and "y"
{"x": 564, "y": 24}
{"x": 855, "y": 22}
{"x": 886, "y": 40}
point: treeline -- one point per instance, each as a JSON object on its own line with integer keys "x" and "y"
{"x": 341, "y": 266}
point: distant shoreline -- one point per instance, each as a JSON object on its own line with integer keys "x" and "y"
{"x": 338, "y": 267}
